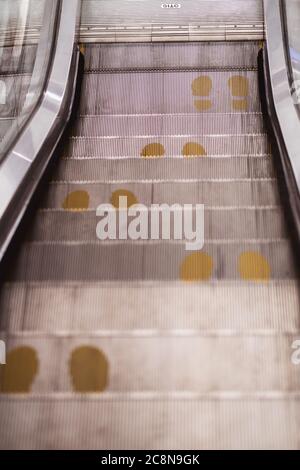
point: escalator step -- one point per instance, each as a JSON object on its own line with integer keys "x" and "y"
{"x": 240, "y": 306}
{"x": 220, "y": 224}
{"x": 168, "y": 125}
{"x": 197, "y": 55}
{"x": 169, "y": 92}
{"x": 122, "y": 147}
{"x": 220, "y": 193}
{"x": 150, "y": 260}
{"x": 157, "y": 361}
{"x": 227, "y": 421}
{"x": 161, "y": 169}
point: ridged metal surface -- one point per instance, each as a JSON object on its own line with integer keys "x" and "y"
{"x": 112, "y": 11}
{"x": 162, "y": 93}
{"x": 247, "y": 192}
{"x": 142, "y": 20}
{"x": 129, "y": 20}
{"x": 102, "y": 423}
{"x": 83, "y": 261}
{"x": 135, "y": 308}
{"x": 160, "y": 169}
{"x": 234, "y": 223}
{"x": 164, "y": 56}
{"x": 168, "y": 370}
{"x": 188, "y": 125}
{"x": 122, "y": 147}
{"x": 190, "y": 365}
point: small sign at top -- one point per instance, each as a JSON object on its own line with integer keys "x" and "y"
{"x": 171, "y": 5}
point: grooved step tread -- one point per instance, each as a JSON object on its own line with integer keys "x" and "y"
{"x": 165, "y": 169}
{"x": 234, "y": 55}
{"x": 220, "y": 193}
{"x": 245, "y": 423}
{"x": 234, "y": 306}
{"x": 169, "y": 92}
{"x": 168, "y": 125}
{"x": 122, "y": 147}
{"x": 219, "y": 224}
{"x": 157, "y": 362}
{"x": 153, "y": 260}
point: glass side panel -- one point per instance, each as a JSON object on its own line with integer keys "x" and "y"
{"x": 26, "y": 35}
{"x": 293, "y": 30}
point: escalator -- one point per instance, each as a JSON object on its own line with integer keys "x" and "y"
{"x": 124, "y": 344}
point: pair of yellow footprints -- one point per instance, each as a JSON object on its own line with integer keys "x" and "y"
{"x": 238, "y": 86}
{"x": 80, "y": 200}
{"x": 190, "y": 149}
{"x": 88, "y": 368}
{"x": 198, "y": 266}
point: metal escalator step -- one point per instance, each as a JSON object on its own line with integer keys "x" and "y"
{"x": 157, "y": 361}
{"x": 122, "y": 147}
{"x": 242, "y": 421}
{"x": 161, "y": 169}
{"x": 197, "y": 55}
{"x": 168, "y": 125}
{"x": 228, "y": 306}
{"x": 169, "y": 92}
{"x": 223, "y": 193}
{"x": 116, "y": 261}
{"x": 221, "y": 224}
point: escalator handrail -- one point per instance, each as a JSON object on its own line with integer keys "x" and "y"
{"x": 24, "y": 165}
{"x": 40, "y": 72}
{"x": 282, "y": 110}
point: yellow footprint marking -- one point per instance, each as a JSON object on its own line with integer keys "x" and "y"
{"x": 131, "y": 198}
{"x": 202, "y": 86}
{"x": 260, "y": 45}
{"x": 196, "y": 267}
{"x": 76, "y": 201}
{"x": 239, "y": 87}
{"x": 202, "y": 105}
{"x": 18, "y": 374}
{"x": 88, "y": 369}
{"x": 192, "y": 149}
{"x": 153, "y": 150}
{"x": 254, "y": 267}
